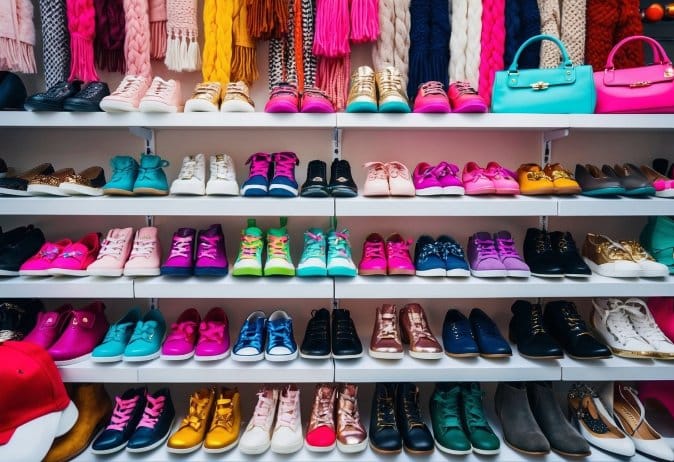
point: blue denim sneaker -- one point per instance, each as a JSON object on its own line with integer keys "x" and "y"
{"x": 249, "y": 346}
{"x": 452, "y": 254}
{"x": 488, "y": 337}
{"x": 283, "y": 183}
{"x": 155, "y": 425}
{"x": 340, "y": 262}
{"x": 457, "y": 336}
{"x": 428, "y": 257}
{"x": 112, "y": 348}
{"x": 312, "y": 262}
{"x": 124, "y": 174}
{"x": 281, "y": 344}
{"x": 151, "y": 177}
{"x": 257, "y": 183}
{"x": 147, "y": 337}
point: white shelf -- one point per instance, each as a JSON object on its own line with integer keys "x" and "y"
{"x": 89, "y": 371}
{"x": 233, "y": 287}
{"x": 452, "y": 121}
{"x": 619, "y": 206}
{"x": 71, "y": 287}
{"x": 370, "y": 287}
{"x": 616, "y": 368}
{"x": 622, "y": 121}
{"x": 167, "y": 206}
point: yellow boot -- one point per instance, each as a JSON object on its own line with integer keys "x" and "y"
{"x": 190, "y": 435}
{"x": 226, "y": 424}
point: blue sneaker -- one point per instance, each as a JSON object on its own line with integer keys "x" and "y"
{"x": 428, "y": 258}
{"x": 340, "y": 262}
{"x": 249, "y": 346}
{"x": 452, "y": 254}
{"x": 145, "y": 343}
{"x": 257, "y": 183}
{"x": 488, "y": 337}
{"x": 125, "y": 418}
{"x": 281, "y": 344}
{"x": 312, "y": 262}
{"x": 155, "y": 425}
{"x": 283, "y": 183}
{"x": 457, "y": 336}
{"x": 151, "y": 176}
{"x": 124, "y": 174}
{"x": 112, "y": 348}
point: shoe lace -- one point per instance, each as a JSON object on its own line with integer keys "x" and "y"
{"x": 573, "y": 319}
{"x": 318, "y": 327}
{"x": 397, "y": 169}
{"x": 464, "y": 88}
{"x": 152, "y": 411}
{"x": 280, "y": 333}
{"x": 187, "y": 169}
{"x": 387, "y": 326}
{"x": 398, "y": 249}
{"x": 618, "y": 321}
{"x": 374, "y": 250}
{"x": 250, "y": 246}
{"x": 144, "y": 331}
{"x": 250, "y": 336}
{"x": 145, "y": 173}
{"x": 51, "y": 252}
{"x": 432, "y": 88}
{"x": 497, "y": 172}
{"x": 208, "y": 247}
{"x": 419, "y": 327}
{"x": 180, "y": 247}
{"x": 160, "y": 88}
{"x": 385, "y": 414}
{"x": 636, "y": 251}
{"x": 478, "y": 174}
{"x": 449, "y": 248}
{"x": 411, "y": 409}
{"x": 323, "y": 410}
{"x": 536, "y": 320}
{"x": 116, "y": 333}
{"x": 486, "y": 248}
{"x": 614, "y": 251}
{"x": 390, "y": 83}
{"x": 112, "y": 247}
{"x": 211, "y": 332}
{"x": 223, "y": 167}
{"x": 446, "y": 404}
{"x": 283, "y": 89}
{"x": 277, "y": 246}
{"x": 348, "y": 411}
{"x": 224, "y": 414}
{"x": 121, "y": 414}
{"x": 287, "y": 408}
{"x": 506, "y": 247}
{"x": 142, "y": 248}
{"x": 643, "y": 322}
{"x": 472, "y": 403}
{"x": 314, "y": 245}
{"x": 566, "y": 244}
{"x": 262, "y": 408}
{"x": 182, "y": 331}
{"x": 342, "y": 171}
{"x": 130, "y": 84}
{"x": 339, "y": 244}
{"x": 259, "y": 164}
{"x": 71, "y": 254}
{"x": 315, "y": 92}
{"x": 430, "y": 249}
{"x": 444, "y": 169}
{"x": 363, "y": 84}
{"x": 376, "y": 171}
{"x": 284, "y": 164}
{"x": 121, "y": 173}
{"x": 197, "y": 413}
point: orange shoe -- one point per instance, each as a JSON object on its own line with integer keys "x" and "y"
{"x": 533, "y": 181}
{"x": 562, "y": 179}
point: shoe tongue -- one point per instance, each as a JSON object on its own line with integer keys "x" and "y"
{"x": 123, "y": 161}
{"x": 212, "y": 230}
{"x": 150, "y": 161}
{"x": 185, "y": 232}
{"x": 279, "y": 232}
{"x": 253, "y": 231}
{"x": 483, "y": 236}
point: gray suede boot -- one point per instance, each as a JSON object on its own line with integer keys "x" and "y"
{"x": 520, "y": 430}
{"x": 563, "y": 438}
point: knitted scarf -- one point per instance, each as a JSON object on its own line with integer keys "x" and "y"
{"x": 608, "y": 22}
{"x": 566, "y": 22}
{"x": 157, "y": 12}
{"x": 492, "y": 45}
{"x": 364, "y": 20}
{"x": 332, "y": 49}
{"x": 182, "y": 50}
{"x": 267, "y": 19}
{"x": 217, "y": 53}
{"x": 137, "y": 38}
{"x": 82, "y": 27}
{"x": 522, "y": 21}
{"x": 17, "y": 36}
{"x": 464, "y": 44}
{"x": 393, "y": 46}
{"x": 244, "y": 59}
{"x": 109, "y": 43}
{"x": 55, "y": 41}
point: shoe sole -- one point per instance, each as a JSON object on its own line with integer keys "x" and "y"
{"x": 603, "y": 192}
{"x": 199, "y": 105}
{"x": 308, "y": 356}
{"x": 215, "y": 189}
{"x": 524, "y": 274}
{"x": 604, "y": 270}
{"x": 352, "y": 448}
{"x": 665, "y": 193}
{"x": 571, "y": 454}
{"x": 454, "y": 452}
{"x": 177, "y": 357}
{"x": 142, "y": 272}
{"x": 475, "y": 107}
{"x": 213, "y": 357}
{"x": 458, "y": 273}
{"x": 480, "y": 192}
{"x": 524, "y": 451}
{"x": 254, "y": 451}
{"x": 43, "y": 106}
{"x": 183, "y": 450}
{"x": 105, "y": 272}
{"x": 43, "y": 272}
{"x": 340, "y": 272}
{"x": 362, "y": 106}
{"x": 315, "y": 191}
{"x": 435, "y": 272}
{"x": 453, "y": 190}
{"x": 539, "y": 192}
{"x": 433, "y": 108}
{"x": 174, "y": 271}
{"x": 372, "y": 272}
{"x": 495, "y": 355}
{"x": 247, "y": 272}
{"x": 248, "y": 359}
{"x": 254, "y": 190}
{"x": 384, "y": 451}
{"x": 154, "y": 445}
{"x": 102, "y": 452}
{"x": 489, "y": 273}
{"x": 138, "y": 359}
{"x": 117, "y": 192}
{"x": 67, "y": 362}
{"x": 394, "y": 107}
{"x": 401, "y": 272}
{"x": 236, "y": 106}
{"x": 644, "y": 191}
{"x": 81, "y": 106}
{"x": 319, "y": 448}
{"x": 116, "y": 106}
{"x": 154, "y": 106}
{"x": 582, "y": 358}
{"x": 45, "y": 190}
{"x": 73, "y": 189}
{"x": 462, "y": 355}
{"x": 280, "y": 358}
{"x": 311, "y": 272}
{"x": 214, "y": 272}
{"x": 287, "y": 272}
{"x": 287, "y": 449}
{"x": 343, "y": 191}
{"x": 282, "y": 191}
{"x": 548, "y": 275}
{"x": 425, "y": 356}
{"x": 352, "y": 356}
{"x": 386, "y": 355}
{"x": 66, "y": 272}
{"x": 10, "y": 273}
{"x": 431, "y": 191}
{"x": 541, "y": 357}
{"x": 150, "y": 191}
{"x": 222, "y": 449}
{"x": 106, "y": 359}
{"x": 14, "y": 192}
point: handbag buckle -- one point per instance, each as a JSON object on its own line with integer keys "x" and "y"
{"x": 540, "y": 85}
{"x": 643, "y": 83}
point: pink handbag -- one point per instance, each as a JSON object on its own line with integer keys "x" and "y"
{"x": 636, "y": 90}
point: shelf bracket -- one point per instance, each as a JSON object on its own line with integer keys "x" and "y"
{"x": 154, "y": 304}
{"x": 147, "y": 134}
{"x": 548, "y": 137}
{"x": 149, "y": 220}
{"x": 336, "y": 143}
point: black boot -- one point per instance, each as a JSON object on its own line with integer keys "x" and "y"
{"x": 384, "y": 432}
{"x": 341, "y": 181}
{"x": 538, "y": 254}
{"x": 316, "y": 184}
{"x": 417, "y": 438}
{"x": 526, "y": 329}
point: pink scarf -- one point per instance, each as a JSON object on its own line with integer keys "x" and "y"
{"x": 17, "y": 36}
{"x": 82, "y": 27}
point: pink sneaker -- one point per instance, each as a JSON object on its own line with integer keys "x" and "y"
{"x": 662, "y": 309}
{"x": 476, "y": 181}
{"x": 399, "y": 179}
{"x": 145, "y": 254}
{"x": 126, "y": 97}
{"x": 447, "y": 175}
{"x": 373, "y": 261}
{"x": 464, "y": 98}
{"x": 115, "y": 250}
{"x": 315, "y": 100}
{"x": 162, "y": 96}
{"x": 283, "y": 98}
{"x": 398, "y": 256}
{"x": 182, "y": 339}
{"x": 39, "y": 264}
{"x": 503, "y": 179}
{"x": 213, "y": 343}
{"x": 426, "y": 182}
{"x": 86, "y": 329}
{"x": 431, "y": 97}
{"x": 76, "y": 257}
{"x": 49, "y": 326}
{"x": 376, "y": 183}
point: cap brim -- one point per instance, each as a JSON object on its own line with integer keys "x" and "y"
{"x": 32, "y": 440}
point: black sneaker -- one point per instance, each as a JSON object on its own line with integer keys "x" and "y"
{"x": 18, "y": 249}
{"x": 316, "y": 184}
{"x": 53, "y": 99}
{"x": 417, "y": 438}
{"x": 341, "y": 181}
{"x": 12, "y": 92}
{"x": 18, "y": 317}
{"x": 538, "y": 254}
{"x": 345, "y": 341}
{"x": 316, "y": 343}
{"x": 87, "y": 99}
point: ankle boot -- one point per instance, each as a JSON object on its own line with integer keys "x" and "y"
{"x": 520, "y": 430}
{"x": 561, "y": 435}
{"x": 417, "y": 438}
{"x": 384, "y": 432}
{"x": 657, "y": 237}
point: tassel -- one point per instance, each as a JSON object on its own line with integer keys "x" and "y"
{"x": 193, "y": 56}
{"x": 182, "y": 53}
{"x": 364, "y": 21}
{"x": 243, "y": 65}
{"x": 172, "y": 54}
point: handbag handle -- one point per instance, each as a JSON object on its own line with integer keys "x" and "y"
{"x": 537, "y": 38}
{"x": 659, "y": 54}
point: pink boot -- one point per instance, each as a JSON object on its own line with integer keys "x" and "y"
{"x": 662, "y": 309}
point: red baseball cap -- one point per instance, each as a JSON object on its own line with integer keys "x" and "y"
{"x": 34, "y": 405}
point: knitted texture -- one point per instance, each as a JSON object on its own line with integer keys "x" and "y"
{"x": 332, "y": 77}
{"x": 137, "y": 38}
{"x": 429, "y": 43}
{"x": 82, "y": 27}
{"x": 158, "y": 16}
{"x": 17, "y": 36}
{"x": 573, "y": 29}
{"x": 608, "y": 22}
{"x": 439, "y": 45}
{"x": 464, "y": 44}
{"x": 392, "y": 47}
{"x": 522, "y": 21}
{"x": 55, "y": 41}
{"x": 267, "y": 19}
{"x": 332, "y": 28}
{"x": 291, "y": 58}
{"x": 492, "y": 45}
{"x": 218, "y": 32}
{"x": 364, "y": 16}
{"x": 244, "y": 60}
{"x": 474, "y": 35}
{"x": 109, "y": 42}
{"x": 182, "y": 49}
{"x": 550, "y": 25}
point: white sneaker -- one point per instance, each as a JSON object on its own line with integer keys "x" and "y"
{"x": 256, "y": 437}
{"x": 647, "y": 264}
{"x": 645, "y": 325}
{"x": 612, "y": 321}
{"x": 191, "y": 177}
{"x": 222, "y": 181}
{"x": 287, "y": 437}
{"x": 237, "y": 98}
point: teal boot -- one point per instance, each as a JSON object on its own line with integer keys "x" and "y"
{"x": 481, "y": 436}
{"x": 124, "y": 174}
{"x": 447, "y": 428}
{"x": 657, "y": 237}
{"x": 151, "y": 177}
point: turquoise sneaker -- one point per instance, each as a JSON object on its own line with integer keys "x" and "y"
{"x": 279, "y": 262}
{"x": 657, "y": 238}
{"x": 249, "y": 260}
{"x": 112, "y": 348}
{"x": 340, "y": 263}
{"x": 151, "y": 177}
{"x": 124, "y": 174}
{"x": 312, "y": 262}
{"x": 145, "y": 343}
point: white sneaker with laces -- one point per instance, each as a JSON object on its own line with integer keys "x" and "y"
{"x": 191, "y": 177}
{"x": 612, "y": 320}
{"x": 647, "y": 328}
{"x": 256, "y": 436}
{"x": 222, "y": 181}
{"x": 287, "y": 437}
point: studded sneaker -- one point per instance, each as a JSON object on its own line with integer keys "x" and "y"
{"x": 237, "y": 98}
{"x": 190, "y": 180}
{"x": 222, "y": 180}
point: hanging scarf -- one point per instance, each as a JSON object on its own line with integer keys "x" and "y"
{"x": 182, "y": 50}
{"x": 244, "y": 60}
{"x": 364, "y": 20}
{"x": 109, "y": 43}
{"x": 137, "y": 39}
{"x": 217, "y": 57}
{"x": 157, "y": 10}
{"x": 332, "y": 48}
{"x": 291, "y": 58}
{"x": 82, "y": 27}
{"x": 267, "y": 19}
{"x": 55, "y": 41}
{"x": 17, "y": 36}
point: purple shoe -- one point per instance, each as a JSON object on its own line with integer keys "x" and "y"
{"x": 426, "y": 183}
{"x": 182, "y": 338}
{"x": 483, "y": 258}
{"x": 448, "y": 177}
{"x": 49, "y": 326}
{"x": 211, "y": 254}
{"x": 213, "y": 343}
{"x": 180, "y": 261}
{"x": 514, "y": 264}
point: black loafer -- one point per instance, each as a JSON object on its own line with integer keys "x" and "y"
{"x": 12, "y": 92}
{"x": 595, "y": 183}
{"x": 527, "y": 331}
{"x": 53, "y": 99}
{"x": 316, "y": 184}
{"x": 316, "y": 343}
{"x": 631, "y": 178}
{"x": 87, "y": 99}
{"x": 564, "y": 323}
{"x": 341, "y": 181}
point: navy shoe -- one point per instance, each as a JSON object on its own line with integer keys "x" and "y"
{"x": 281, "y": 344}
{"x": 155, "y": 425}
{"x": 12, "y": 92}
{"x": 457, "y": 336}
{"x": 428, "y": 260}
{"x": 527, "y": 331}
{"x": 252, "y": 337}
{"x": 453, "y": 256}
{"x": 283, "y": 182}
{"x": 125, "y": 418}
{"x": 488, "y": 338}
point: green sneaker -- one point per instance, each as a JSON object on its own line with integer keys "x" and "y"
{"x": 477, "y": 428}
{"x": 340, "y": 262}
{"x": 657, "y": 237}
{"x": 279, "y": 262}
{"x": 447, "y": 428}
{"x": 312, "y": 262}
{"x": 249, "y": 260}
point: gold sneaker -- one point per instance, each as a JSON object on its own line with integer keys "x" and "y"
{"x": 608, "y": 258}
{"x": 206, "y": 98}
{"x": 237, "y": 98}
{"x": 363, "y": 92}
{"x": 392, "y": 95}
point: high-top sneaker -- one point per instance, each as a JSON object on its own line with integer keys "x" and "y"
{"x": 256, "y": 439}
{"x": 190, "y": 180}
{"x": 283, "y": 183}
{"x": 316, "y": 184}
{"x": 345, "y": 341}
{"x": 151, "y": 178}
{"x": 312, "y": 262}
{"x": 226, "y": 424}
{"x": 124, "y": 174}
{"x": 321, "y": 432}
{"x": 211, "y": 256}
{"x": 145, "y": 254}
{"x": 279, "y": 262}
{"x": 180, "y": 261}
{"x": 287, "y": 437}
{"x": 351, "y": 434}
{"x": 340, "y": 262}
{"x": 384, "y": 432}
{"x": 222, "y": 181}
{"x": 125, "y": 418}
{"x": 249, "y": 260}
{"x": 363, "y": 91}
{"x": 257, "y": 183}
{"x": 155, "y": 425}
{"x": 392, "y": 97}
{"x": 341, "y": 182}
{"x": 417, "y": 438}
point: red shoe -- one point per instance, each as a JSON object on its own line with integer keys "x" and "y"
{"x": 85, "y": 330}
{"x": 464, "y": 98}
{"x": 662, "y": 309}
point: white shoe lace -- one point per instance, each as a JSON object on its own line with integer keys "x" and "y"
{"x": 142, "y": 248}
{"x": 645, "y": 325}
{"x": 160, "y": 88}
{"x": 111, "y": 247}
{"x": 287, "y": 409}
{"x": 618, "y": 323}
{"x": 224, "y": 170}
{"x": 263, "y": 409}
{"x": 377, "y": 171}
{"x": 396, "y": 169}
{"x": 187, "y": 169}
{"x": 130, "y": 84}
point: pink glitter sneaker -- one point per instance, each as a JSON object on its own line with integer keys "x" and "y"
{"x": 283, "y": 98}
{"x": 431, "y": 98}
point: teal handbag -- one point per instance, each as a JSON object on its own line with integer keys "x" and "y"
{"x": 566, "y": 89}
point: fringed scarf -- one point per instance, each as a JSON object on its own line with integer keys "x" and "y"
{"x": 17, "y": 36}
{"x": 82, "y": 27}
{"x": 182, "y": 50}
{"x": 110, "y": 33}
{"x": 55, "y": 41}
